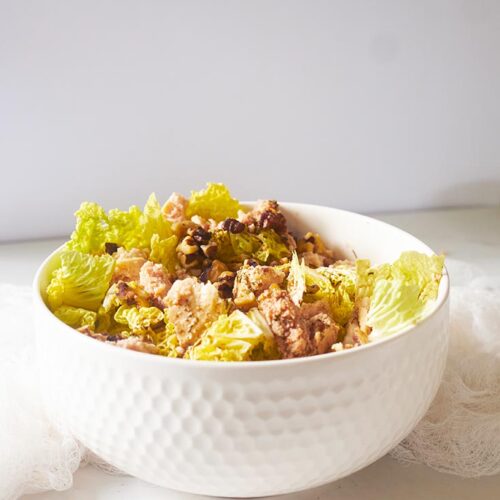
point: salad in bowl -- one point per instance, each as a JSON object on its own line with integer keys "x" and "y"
{"x": 204, "y": 278}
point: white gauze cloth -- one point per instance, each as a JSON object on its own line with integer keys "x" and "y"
{"x": 460, "y": 434}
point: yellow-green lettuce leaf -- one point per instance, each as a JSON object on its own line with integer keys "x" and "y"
{"x": 81, "y": 280}
{"x": 232, "y": 338}
{"x": 164, "y": 251}
{"x": 139, "y": 320}
{"x": 402, "y": 291}
{"x": 213, "y": 202}
{"x": 76, "y": 317}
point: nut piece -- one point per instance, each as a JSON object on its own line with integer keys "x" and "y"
{"x": 314, "y": 252}
{"x": 216, "y": 269}
{"x": 200, "y": 235}
{"x": 225, "y": 284}
{"x": 209, "y": 250}
{"x": 233, "y": 226}
{"x": 187, "y": 246}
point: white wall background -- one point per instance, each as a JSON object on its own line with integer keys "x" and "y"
{"x": 366, "y": 105}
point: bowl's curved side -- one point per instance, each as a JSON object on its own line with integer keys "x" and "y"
{"x": 241, "y": 433}
{"x": 246, "y": 429}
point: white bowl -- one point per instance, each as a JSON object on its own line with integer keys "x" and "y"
{"x": 248, "y": 429}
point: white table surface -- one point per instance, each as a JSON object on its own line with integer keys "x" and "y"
{"x": 471, "y": 235}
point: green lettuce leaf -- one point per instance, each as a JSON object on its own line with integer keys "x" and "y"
{"x": 234, "y": 247}
{"x": 272, "y": 247}
{"x": 76, "y": 317}
{"x": 124, "y": 228}
{"x": 153, "y": 222}
{"x": 264, "y": 247}
{"x": 232, "y": 338}
{"x": 139, "y": 320}
{"x": 342, "y": 277}
{"x": 268, "y": 349}
{"x": 167, "y": 342}
{"x": 401, "y": 292}
{"x": 131, "y": 229}
{"x": 91, "y": 228}
{"x": 81, "y": 280}
{"x": 164, "y": 251}
{"x": 423, "y": 270}
{"x": 335, "y": 284}
{"x": 214, "y": 202}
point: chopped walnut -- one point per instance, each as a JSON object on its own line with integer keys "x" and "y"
{"x": 225, "y": 284}
{"x": 233, "y": 226}
{"x": 213, "y": 272}
{"x": 314, "y": 252}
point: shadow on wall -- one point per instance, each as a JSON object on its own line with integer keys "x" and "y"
{"x": 469, "y": 194}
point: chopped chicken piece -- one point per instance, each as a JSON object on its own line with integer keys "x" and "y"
{"x": 128, "y": 264}
{"x": 251, "y": 281}
{"x": 174, "y": 209}
{"x": 192, "y": 306}
{"x": 323, "y": 331}
{"x": 286, "y": 323}
{"x": 154, "y": 279}
{"x": 137, "y": 344}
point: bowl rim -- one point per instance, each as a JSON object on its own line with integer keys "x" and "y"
{"x": 245, "y": 365}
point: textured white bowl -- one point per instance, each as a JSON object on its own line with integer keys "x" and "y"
{"x": 248, "y": 429}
